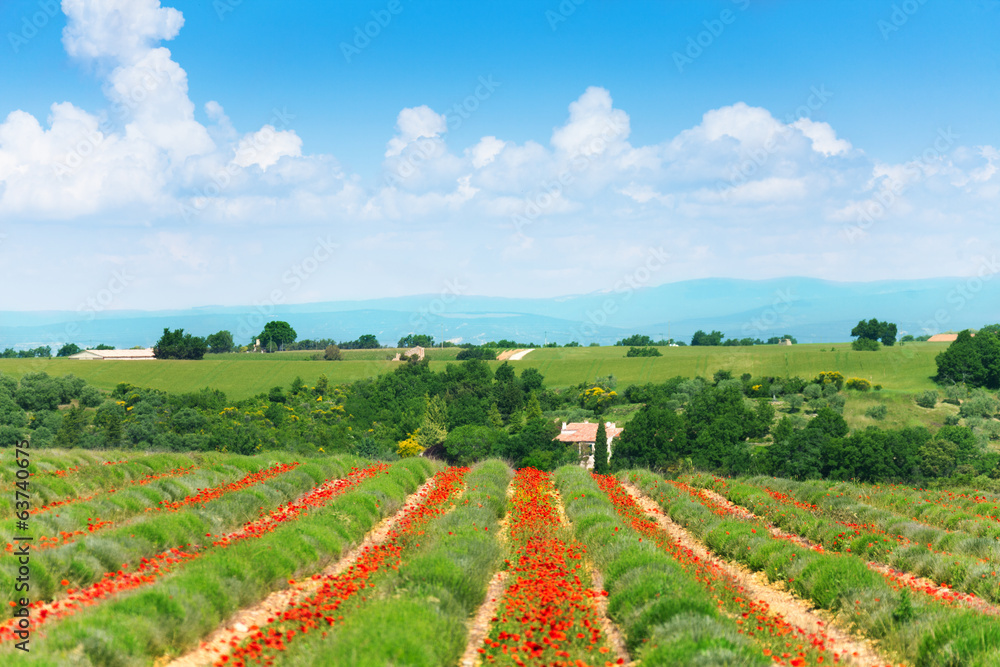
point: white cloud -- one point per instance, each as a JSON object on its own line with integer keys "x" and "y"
{"x": 123, "y": 30}
{"x": 824, "y": 139}
{"x": 414, "y": 123}
{"x": 266, "y": 146}
{"x": 594, "y": 126}
{"x": 485, "y": 151}
{"x": 736, "y": 172}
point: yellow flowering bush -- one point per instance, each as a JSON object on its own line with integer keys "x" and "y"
{"x": 409, "y": 447}
{"x": 859, "y": 384}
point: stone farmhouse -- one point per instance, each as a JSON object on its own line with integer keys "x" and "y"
{"x": 584, "y": 436}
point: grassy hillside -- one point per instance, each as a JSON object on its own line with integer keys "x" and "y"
{"x": 907, "y": 368}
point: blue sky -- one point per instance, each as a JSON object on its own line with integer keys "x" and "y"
{"x": 230, "y": 152}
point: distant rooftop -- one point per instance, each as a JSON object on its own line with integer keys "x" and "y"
{"x": 114, "y": 355}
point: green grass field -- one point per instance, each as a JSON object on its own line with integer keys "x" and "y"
{"x": 905, "y": 368}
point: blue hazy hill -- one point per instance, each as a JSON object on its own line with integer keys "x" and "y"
{"x": 812, "y": 310}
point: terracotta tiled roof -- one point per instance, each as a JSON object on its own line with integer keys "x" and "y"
{"x": 584, "y": 432}
{"x": 944, "y": 338}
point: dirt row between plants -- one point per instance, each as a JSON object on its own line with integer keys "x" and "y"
{"x": 240, "y": 625}
{"x": 794, "y": 610}
{"x": 908, "y": 579}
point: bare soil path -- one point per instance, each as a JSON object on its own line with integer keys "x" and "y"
{"x": 795, "y": 611}
{"x": 514, "y": 355}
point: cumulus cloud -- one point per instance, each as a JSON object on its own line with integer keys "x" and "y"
{"x": 147, "y": 146}
{"x": 414, "y": 123}
{"x": 147, "y": 159}
{"x": 594, "y": 126}
{"x": 123, "y": 30}
{"x": 824, "y": 139}
{"x": 266, "y": 146}
{"x": 485, "y": 151}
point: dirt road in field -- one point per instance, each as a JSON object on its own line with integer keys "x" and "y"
{"x": 514, "y": 355}
{"x": 855, "y": 651}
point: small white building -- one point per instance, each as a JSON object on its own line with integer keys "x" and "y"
{"x": 418, "y": 351}
{"x": 584, "y": 434}
{"x": 145, "y": 354}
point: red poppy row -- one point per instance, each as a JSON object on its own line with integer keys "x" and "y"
{"x": 142, "y": 481}
{"x": 203, "y": 496}
{"x": 783, "y": 642}
{"x": 547, "y": 615}
{"x": 319, "y": 609}
{"x": 940, "y": 593}
{"x": 150, "y": 569}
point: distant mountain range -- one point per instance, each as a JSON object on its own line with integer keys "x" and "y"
{"x": 814, "y": 311}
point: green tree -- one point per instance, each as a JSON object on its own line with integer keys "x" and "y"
{"x": 68, "y": 349}
{"x": 72, "y": 428}
{"x": 533, "y": 410}
{"x": 433, "y": 427}
{"x": 702, "y": 338}
{"x": 178, "y": 345}
{"x": 643, "y": 352}
{"x": 532, "y": 380}
{"x": 635, "y": 340}
{"x": 364, "y": 342}
{"x": 601, "y": 466}
{"x": 219, "y": 342}
{"x": 493, "y": 418}
{"x": 973, "y": 360}
{"x": 277, "y": 332}
{"x": 487, "y": 353}
{"x": 470, "y": 443}
{"x": 655, "y": 438}
{"x": 416, "y": 340}
{"x": 830, "y": 423}
{"x": 875, "y": 330}
{"x": 332, "y": 353}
